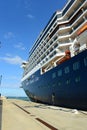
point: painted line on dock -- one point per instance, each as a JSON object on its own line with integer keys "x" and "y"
{"x": 46, "y": 124}
{"x": 38, "y": 119}
{"x": 21, "y": 108}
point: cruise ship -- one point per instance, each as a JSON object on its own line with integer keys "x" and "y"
{"x": 56, "y": 70}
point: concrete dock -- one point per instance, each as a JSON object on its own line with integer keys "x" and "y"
{"x": 26, "y": 115}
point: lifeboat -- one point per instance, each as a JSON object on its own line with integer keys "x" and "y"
{"x": 65, "y": 58}
{"x": 82, "y": 29}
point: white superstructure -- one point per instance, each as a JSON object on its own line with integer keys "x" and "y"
{"x": 59, "y": 35}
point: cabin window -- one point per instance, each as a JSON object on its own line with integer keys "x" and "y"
{"x": 85, "y": 61}
{"x": 68, "y": 81}
{"x": 55, "y": 38}
{"x": 47, "y": 46}
{"x": 59, "y": 73}
{"x": 54, "y": 75}
{"x": 55, "y": 45}
{"x": 77, "y": 79}
{"x": 59, "y": 83}
{"x": 51, "y": 42}
{"x": 66, "y": 70}
{"x": 76, "y": 65}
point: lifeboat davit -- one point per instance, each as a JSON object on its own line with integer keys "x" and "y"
{"x": 65, "y": 58}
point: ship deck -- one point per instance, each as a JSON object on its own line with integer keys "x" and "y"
{"x": 25, "y": 115}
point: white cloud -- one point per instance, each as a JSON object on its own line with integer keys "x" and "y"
{"x": 30, "y": 16}
{"x": 9, "y": 35}
{"x": 16, "y": 60}
{"x": 19, "y": 46}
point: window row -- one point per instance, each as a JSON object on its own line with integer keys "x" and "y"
{"x": 66, "y": 70}
{"x": 61, "y": 83}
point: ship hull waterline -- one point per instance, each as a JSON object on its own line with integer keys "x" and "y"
{"x": 64, "y": 85}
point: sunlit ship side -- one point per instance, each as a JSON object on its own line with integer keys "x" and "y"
{"x": 56, "y": 70}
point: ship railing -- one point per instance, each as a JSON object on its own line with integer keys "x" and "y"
{"x": 79, "y": 7}
{"x": 79, "y": 26}
{"x": 67, "y": 7}
{"x": 83, "y": 47}
{"x": 52, "y": 56}
{"x": 51, "y": 64}
{"x": 75, "y": 20}
{"x": 31, "y": 72}
{"x": 59, "y": 59}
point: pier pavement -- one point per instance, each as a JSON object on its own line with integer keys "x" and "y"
{"x": 26, "y": 115}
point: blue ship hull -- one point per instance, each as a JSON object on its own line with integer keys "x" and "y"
{"x": 64, "y": 85}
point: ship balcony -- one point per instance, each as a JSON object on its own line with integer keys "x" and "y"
{"x": 78, "y": 11}
{"x": 82, "y": 38}
{"x": 74, "y": 33}
{"x": 67, "y": 7}
{"x": 75, "y": 26}
{"x": 64, "y": 45}
{"x": 51, "y": 58}
{"x": 84, "y": 3}
{"x": 64, "y": 29}
{"x": 79, "y": 19}
{"x": 52, "y": 62}
{"x": 50, "y": 26}
{"x": 50, "y": 50}
{"x": 51, "y": 44}
{"x": 72, "y": 7}
{"x": 64, "y": 36}
{"x": 74, "y": 20}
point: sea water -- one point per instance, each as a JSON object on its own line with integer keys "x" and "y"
{"x": 13, "y": 93}
{"x": 19, "y": 98}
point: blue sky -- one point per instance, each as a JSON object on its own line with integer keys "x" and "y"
{"x": 21, "y": 21}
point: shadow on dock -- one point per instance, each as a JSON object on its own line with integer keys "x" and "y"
{"x": 1, "y": 102}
